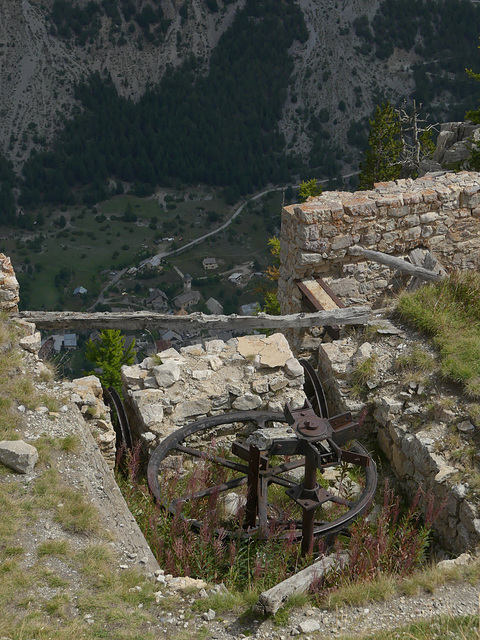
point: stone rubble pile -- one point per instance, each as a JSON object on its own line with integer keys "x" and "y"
{"x": 252, "y": 372}
{"x": 423, "y": 427}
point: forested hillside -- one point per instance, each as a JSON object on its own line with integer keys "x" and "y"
{"x": 442, "y": 35}
{"x": 221, "y": 129}
{"x": 231, "y": 93}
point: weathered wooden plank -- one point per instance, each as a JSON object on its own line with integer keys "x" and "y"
{"x": 138, "y": 320}
{"x": 269, "y": 602}
{"x": 396, "y": 263}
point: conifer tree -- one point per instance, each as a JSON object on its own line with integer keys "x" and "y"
{"x": 308, "y": 189}
{"x": 109, "y": 354}
{"x": 382, "y": 158}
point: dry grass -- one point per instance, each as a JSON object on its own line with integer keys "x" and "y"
{"x": 363, "y": 373}
{"x": 47, "y": 587}
{"x": 75, "y": 514}
{"x": 357, "y": 593}
{"x": 418, "y": 360}
{"x": 464, "y": 628}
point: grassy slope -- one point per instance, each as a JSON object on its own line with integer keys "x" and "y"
{"x": 450, "y": 312}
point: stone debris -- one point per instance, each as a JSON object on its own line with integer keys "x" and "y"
{"x": 413, "y": 427}
{"x": 185, "y": 584}
{"x": 31, "y": 343}
{"x": 272, "y": 351}
{"x": 243, "y": 374}
{"x": 465, "y": 426}
{"x": 209, "y": 615}
{"x": 462, "y": 560}
{"x": 309, "y": 626}
{"x": 18, "y": 455}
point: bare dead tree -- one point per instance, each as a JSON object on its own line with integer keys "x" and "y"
{"x": 416, "y": 139}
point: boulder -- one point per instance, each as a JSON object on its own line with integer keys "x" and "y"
{"x": 18, "y": 455}
{"x": 9, "y": 287}
{"x": 273, "y": 351}
{"x": 31, "y": 343}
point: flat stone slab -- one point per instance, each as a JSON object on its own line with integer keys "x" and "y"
{"x": 273, "y": 351}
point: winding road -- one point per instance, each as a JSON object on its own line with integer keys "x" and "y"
{"x": 193, "y": 243}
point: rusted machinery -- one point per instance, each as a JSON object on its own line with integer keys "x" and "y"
{"x": 277, "y": 447}
{"x": 119, "y": 418}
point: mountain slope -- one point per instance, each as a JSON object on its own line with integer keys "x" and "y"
{"x": 356, "y": 54}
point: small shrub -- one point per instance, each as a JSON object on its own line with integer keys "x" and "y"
{"x": 417, "y": 360}
{"x": 75, "y": 514}
{"x": 70, "y": 443}
{"x": 53, "y": 548}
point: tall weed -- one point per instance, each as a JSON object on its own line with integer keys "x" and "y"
{"x": 392, "y": 544}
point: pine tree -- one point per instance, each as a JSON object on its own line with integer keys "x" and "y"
{"x": 109, "y": 354}
{"x": 382, "y": 158}
{"x": 308, "y": 189}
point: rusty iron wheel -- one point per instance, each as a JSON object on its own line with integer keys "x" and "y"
{"x": 178, "y": 444}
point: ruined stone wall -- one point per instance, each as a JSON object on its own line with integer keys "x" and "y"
{"x": 438, "y": 212}
{"x": 426, "y": 430}
{"x": 174, "y": 388}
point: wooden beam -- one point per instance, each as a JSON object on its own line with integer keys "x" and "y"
{"x": 269, "y": 602}
{"x": 396, "y": 263}
{"x": 138, "y": 320}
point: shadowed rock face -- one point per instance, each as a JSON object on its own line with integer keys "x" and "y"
{"x": 9, "y": 288}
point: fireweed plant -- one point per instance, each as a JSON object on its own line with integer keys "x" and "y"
{"x": 391, "y": 544}
{"x": 394, "y": 544}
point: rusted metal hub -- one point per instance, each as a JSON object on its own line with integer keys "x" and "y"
{"x": 306, "y": 438}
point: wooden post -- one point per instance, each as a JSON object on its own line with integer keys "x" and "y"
{"x": 396, "y": 263}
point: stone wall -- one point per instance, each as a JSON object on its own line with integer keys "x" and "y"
{"x": 174, "y": 388}
{"x": 8, "y": 286}
{"x": 428, "y": 432}
{"x": 438, "y": 212}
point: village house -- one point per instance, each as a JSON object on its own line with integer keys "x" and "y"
{"x": 210, "y": 263}
{"x": 187, "y": 299}
{"x": 157, "y": 300}
{"x": 79, "y": 291}
{"x": 214, "y": 306}
{"x": 249, "y": 309}
{"x": 235, "y": 278}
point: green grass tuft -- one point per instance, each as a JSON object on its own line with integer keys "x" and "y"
{"x": 449, "y": 311}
